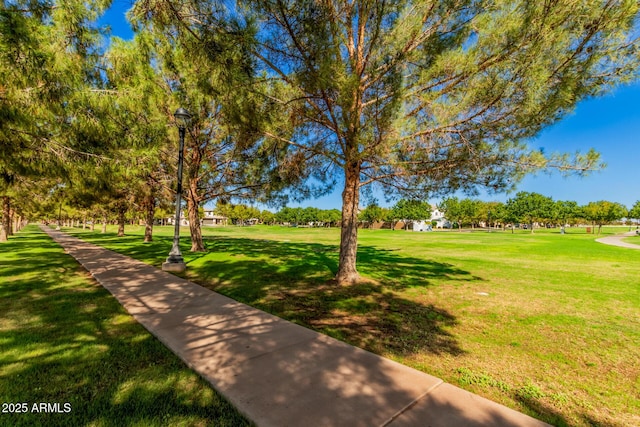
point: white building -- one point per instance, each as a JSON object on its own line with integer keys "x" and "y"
{"x": 422, "y": 225}
{"x": 438, "y": 216}
{"x": 210, "y": 218}
{"x": 183, "y": 219}
{"x": 427, "y": 225}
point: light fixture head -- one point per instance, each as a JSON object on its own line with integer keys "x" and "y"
{"x": 182, "y": 117}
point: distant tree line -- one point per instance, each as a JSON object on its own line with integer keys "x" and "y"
{"x": 534, "y": 208}
{"x": 529, "y": 209}
{"x": 241, "y": 214}
{"x": 525, "y": 208}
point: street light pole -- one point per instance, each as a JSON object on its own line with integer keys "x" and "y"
{"x": 175, "y": 262}
{"x": 59, "y": 215}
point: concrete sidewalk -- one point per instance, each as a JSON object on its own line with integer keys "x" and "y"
{"x": 275, "y": 372}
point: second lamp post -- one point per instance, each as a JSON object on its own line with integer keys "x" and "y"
{"x": 175, "y": 262}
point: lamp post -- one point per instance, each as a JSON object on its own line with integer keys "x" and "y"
{"x": 175, "y": 262}
{"x": 59, "y": 215}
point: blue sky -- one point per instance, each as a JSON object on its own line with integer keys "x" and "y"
{"x": 115, "y": 18}
{"x": 610, "y": 125}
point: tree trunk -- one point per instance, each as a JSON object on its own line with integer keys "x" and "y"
{"x": 3, "y": 229}
{"x": 93, "y": 223}
{"x": 6, "y": 215}
{"x": 104, "y": 224}
{"x": 150, "y": 206}
{"x": 197, "y": 244}
{"x": 11, "y": 227}
{"x": 17, "y": 222}
{"x": 5, "y": 221}
{"x": 347, "y": 273}
{"x": 121, "y": 221}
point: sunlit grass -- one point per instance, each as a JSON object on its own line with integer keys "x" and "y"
{"x": 633, "y": 239}
{"x": 548, "y": 324}
{"x": 65, "y": 339}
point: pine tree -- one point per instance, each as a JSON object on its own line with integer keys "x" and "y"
{"x": 47, "y": 57}
{"x": 422, "y": 97}
{"x": 427, "y": 97}
{"x": 140, "y": 106}
{"x": 207, "y": 72}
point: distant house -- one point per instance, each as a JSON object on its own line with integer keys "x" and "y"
{"x": 422, "y": 226}
{"x": 210, "y": 218}
{"x": 183, "y": 220}
{"x": 438, "y": 216}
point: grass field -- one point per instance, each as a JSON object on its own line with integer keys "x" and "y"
{"x": 633, "y": 239}
{"x": 66, "y": 342}
{"x": 547, "y": 324}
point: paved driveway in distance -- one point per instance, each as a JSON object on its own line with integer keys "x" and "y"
{"x": 617, "y": 240}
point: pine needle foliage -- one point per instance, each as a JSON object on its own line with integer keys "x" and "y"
{"x": 425, "y": 97}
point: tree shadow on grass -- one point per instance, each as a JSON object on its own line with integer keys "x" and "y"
{"x": 66, "y": 340}
{"x": 554, "y": 417}
{"x": 293, "y": 280}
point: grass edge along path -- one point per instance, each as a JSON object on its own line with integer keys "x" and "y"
{"x": 71, "y": 355}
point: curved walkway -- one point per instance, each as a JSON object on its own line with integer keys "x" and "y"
{"x": 275, "y": 372}
{"x": 617, "y": 240}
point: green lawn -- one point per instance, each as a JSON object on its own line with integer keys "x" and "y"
{"x": 633, "y": 239}
{"x": 545, "y": 323}
{"x": 65, "y": 341}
